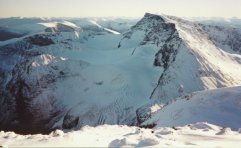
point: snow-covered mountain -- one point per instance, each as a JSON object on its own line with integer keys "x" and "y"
{"x": 188, "y": 56}
{"x": 77, "y": 72}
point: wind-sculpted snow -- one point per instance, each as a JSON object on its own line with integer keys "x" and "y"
{"x": 83, "y": 72}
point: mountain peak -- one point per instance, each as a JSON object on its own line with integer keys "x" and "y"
{"x": 154, "y": 16}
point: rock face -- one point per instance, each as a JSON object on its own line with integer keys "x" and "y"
{"x": 59, "y": 79}
{"x": 151, "y": 29}
{"x": 70, "y": 121}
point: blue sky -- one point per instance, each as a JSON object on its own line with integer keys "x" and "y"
{"x": 129, "y": 8}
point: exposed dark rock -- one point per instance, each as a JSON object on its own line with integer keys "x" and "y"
{"x": 150, "y": 126}
{"x": 99, "y": 83}
{"x": 151, "y": 24}
{"x": 40, "y": 40}
{"x": 168, "y": 54}
{"x": 70, "y": 121}
{"x": 143, "y": 113}
{"x": 119, "y": 45}
{"x": 2, "y": 76}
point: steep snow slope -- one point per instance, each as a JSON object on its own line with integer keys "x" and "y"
{"x": 220, "y": 68}
{"x": 73, "y": 75}
{"x": 192, "y": 135}
{"x": 220, "y": 107}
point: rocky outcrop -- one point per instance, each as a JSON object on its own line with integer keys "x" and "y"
{"x": 167, "y": 54}
{"x": 143, "y": 113}
{"x": 153, "y": 27}
{"x": 40, "y": 40}
{"x": 70, "y": 121}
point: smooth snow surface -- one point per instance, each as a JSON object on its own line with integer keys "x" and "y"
{"x": 193, "y": 135}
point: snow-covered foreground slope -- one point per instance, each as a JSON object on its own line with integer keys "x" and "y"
{"x": 192, "y": 135}
{"x": 221, "y": 107}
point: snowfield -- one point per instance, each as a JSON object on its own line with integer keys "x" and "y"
{"x": 201, "y": 134}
